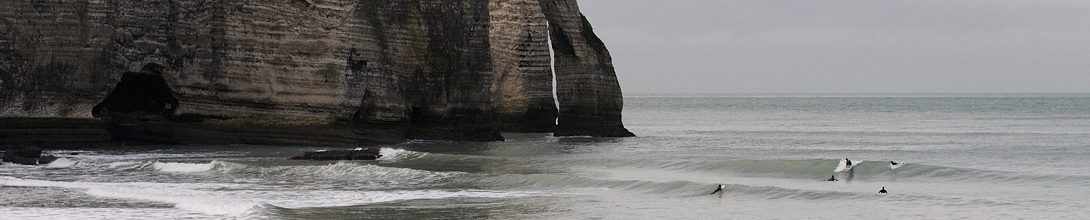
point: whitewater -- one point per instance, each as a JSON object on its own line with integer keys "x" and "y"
{"x": 975, "y": 156}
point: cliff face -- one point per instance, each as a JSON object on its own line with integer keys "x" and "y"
{"x": 338, "y": 72}
{"x": 522, "y": 91}
{"x": 586, "y": 84}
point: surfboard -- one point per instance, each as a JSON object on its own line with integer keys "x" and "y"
{"x": 843, "y": 166}
{"x": 891, "y": 166}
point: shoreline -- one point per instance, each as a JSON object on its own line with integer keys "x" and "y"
{"x": 55, "y": 133}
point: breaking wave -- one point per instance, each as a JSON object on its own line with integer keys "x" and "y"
{"x": 244, "y": 199}
{"x": 376, "y": 176}
{"x": 183, "y": 167}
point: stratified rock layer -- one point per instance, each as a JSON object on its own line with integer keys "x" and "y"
{"x": 307, "y": 72}
{"x": 586, "y": 83}
{"x": 522, "y": 92}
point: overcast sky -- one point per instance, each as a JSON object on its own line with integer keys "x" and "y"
{"x": 865, "y": 46}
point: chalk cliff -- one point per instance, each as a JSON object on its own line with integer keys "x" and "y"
{"x": 308, "y": 72}
{"x": 522, "y": 89}
{"x": 587, "y": 87}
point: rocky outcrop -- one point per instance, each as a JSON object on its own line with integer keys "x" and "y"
{"x": 362, "y": 154}
{"x": 27, "y": 156}
{"x": 522, "y": 92}
{"x": 306, "y": 72}
{"x": 586, "y": 83}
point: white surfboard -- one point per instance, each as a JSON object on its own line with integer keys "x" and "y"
{"x": 843, "y": 166}
{"x": 891, "y": 166}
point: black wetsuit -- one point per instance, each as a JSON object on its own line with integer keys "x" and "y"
{"x": 720, "y": 188}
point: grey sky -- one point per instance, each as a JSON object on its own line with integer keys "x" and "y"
{"x": 864, "y": 46}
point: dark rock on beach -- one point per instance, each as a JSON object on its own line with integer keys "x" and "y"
{"x": 22, "y": 160}
{"x": 47, "y": 159}
{"x": 27, "y": 156}
{"x": 365, "y": 154}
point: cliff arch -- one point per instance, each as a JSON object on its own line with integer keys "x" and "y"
{"x": 143, "y": 93}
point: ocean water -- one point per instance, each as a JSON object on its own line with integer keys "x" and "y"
{"x": 1020, "y": 156}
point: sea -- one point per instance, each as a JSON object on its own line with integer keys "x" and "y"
{"x": 961, "y": 156}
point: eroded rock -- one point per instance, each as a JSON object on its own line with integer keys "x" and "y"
{"x": 586, "y": 83}
{"x": 27, "y": 156}
{"x": 365, "y": 154}
{"x": 333, "y": 72}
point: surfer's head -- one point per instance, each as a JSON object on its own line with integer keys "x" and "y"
{"x": 721, "y": 187}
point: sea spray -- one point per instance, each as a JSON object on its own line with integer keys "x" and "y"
{"x": 391, "y": 154}
{"x": 182, "y": 167}
{"x": 190, "y": 197}
{"x": 240, "y": 199}
{"x": 62, "y": 163}
{"x": 343, "y": 170}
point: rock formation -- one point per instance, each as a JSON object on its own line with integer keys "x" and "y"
{"x": 522, "y": 92}
{"x": 27, "y": 156}
{"x": 360, "y": 154}
{"x": 587, "y": 87}
{"x": 306, "y": 72}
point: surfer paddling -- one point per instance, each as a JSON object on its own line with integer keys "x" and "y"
{"x": 883, "y": 190}
{"x": 721, "y": 186}
{"x": 891, "y": 163}
{"x": 832, "y": 178}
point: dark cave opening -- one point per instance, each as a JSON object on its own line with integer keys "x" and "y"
{"x": 139, "y": 93}
{"x": 416, "y": 118}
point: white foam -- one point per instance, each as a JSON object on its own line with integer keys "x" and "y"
{"x": 183, "y": 196}
{"x": 114, "y": 165}
{"x": 351, "y": 170}
{"x": 892, "y": 167}
{"x": 205, "y": 198}
{"x": 391, "y": 154}
{"x": 61, "y": 162}
{"x": 843, "y": 165}
{"x": 12, "y": 181}
{"x": 291, "y": 199}
{"x": 183, "y": 167}
{"x": 98, "y": 213}
{"x": 92, "y": 156}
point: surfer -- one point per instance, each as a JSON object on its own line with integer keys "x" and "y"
{"x": 832, "y": 178}
{"x": 849, "y": 164}
{"x": 883, "y": 190}
{"x": 891, "y": 163}
{"x": 721, "y": 186}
